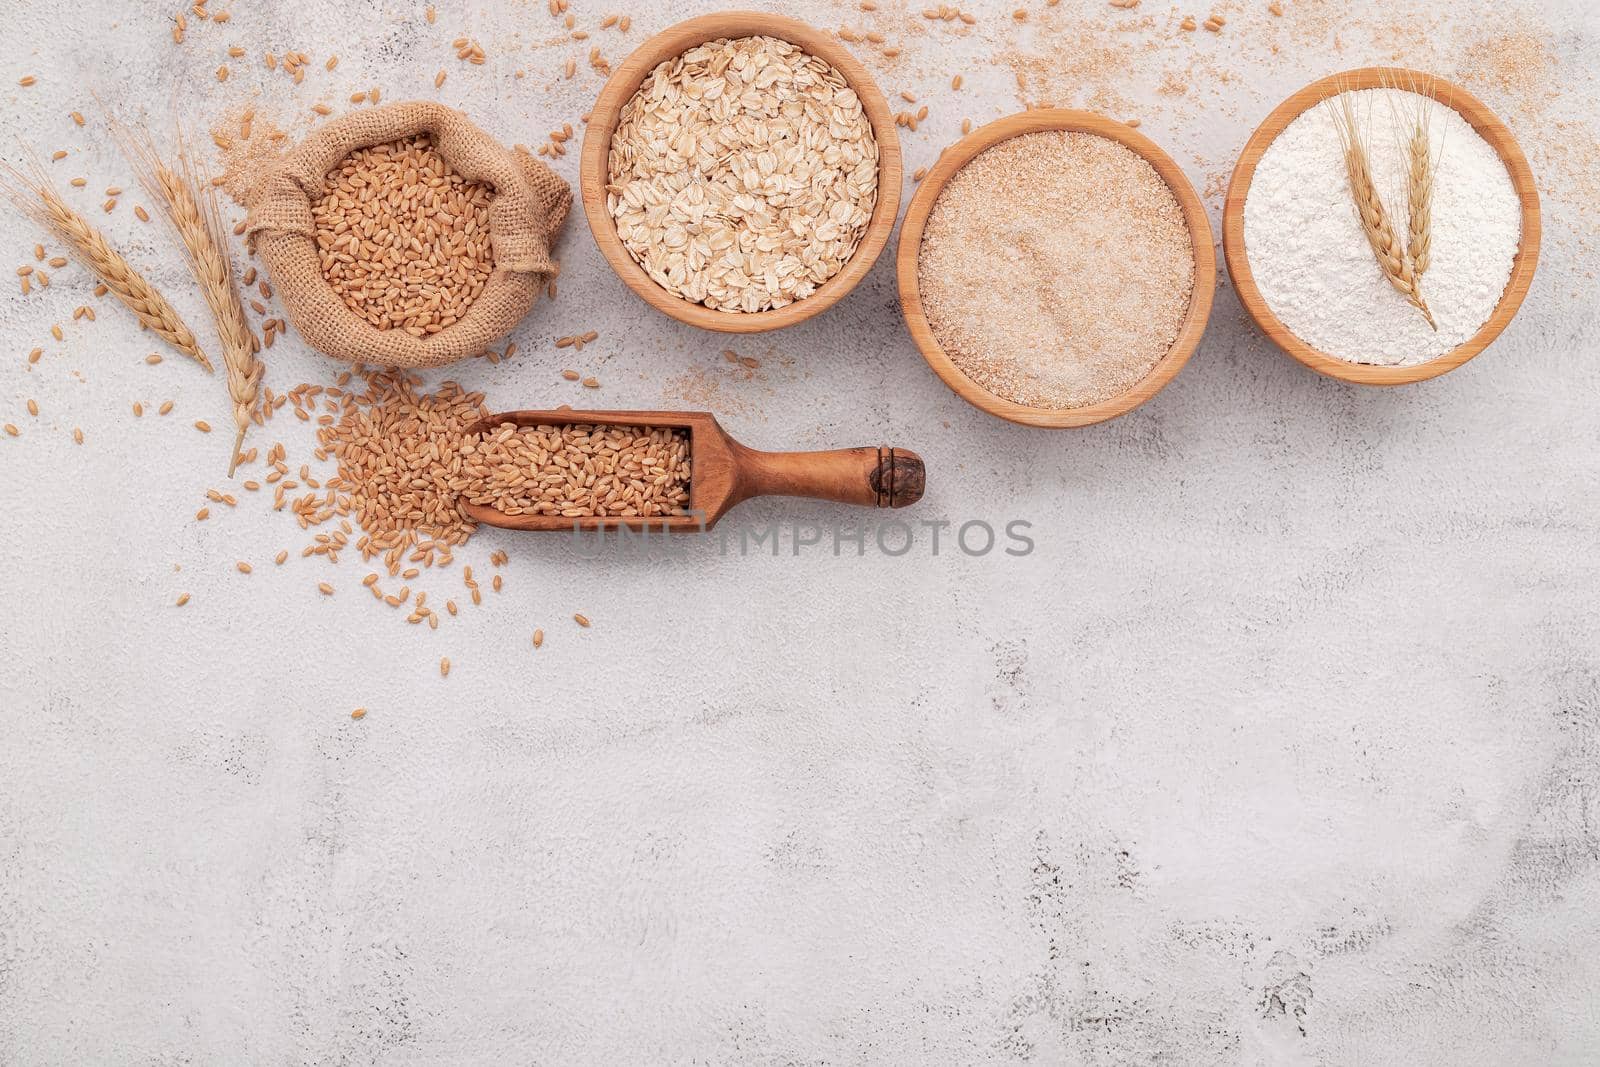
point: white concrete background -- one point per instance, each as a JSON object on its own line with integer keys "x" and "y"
{"x": 1281, "y": 748}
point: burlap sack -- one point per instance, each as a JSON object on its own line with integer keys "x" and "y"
{"x": 526, "y": 212}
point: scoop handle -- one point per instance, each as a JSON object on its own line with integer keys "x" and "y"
{"x": 881, "y": 477}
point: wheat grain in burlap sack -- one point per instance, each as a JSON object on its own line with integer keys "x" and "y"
{"x": 528, "y": 206}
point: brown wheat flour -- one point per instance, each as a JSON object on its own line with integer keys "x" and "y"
{"x": 1056, "y": 269}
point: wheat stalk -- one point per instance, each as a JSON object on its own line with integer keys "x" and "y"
{"x": 35, "y": 196}
{"x": 1421, "y": 171}
{"x": 1412, "y": 123}
{"x": 190, "y": 205}
{"x": 1392, "y": 257}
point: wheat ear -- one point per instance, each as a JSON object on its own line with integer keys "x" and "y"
{"x": 36, "y": 197}
{"x": 1375, "y": 223}
{"x": 1420, "y": 173}
{"x": 189, "y": 204}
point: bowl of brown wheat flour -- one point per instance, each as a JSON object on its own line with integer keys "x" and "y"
{"x": 1056, "y": 268}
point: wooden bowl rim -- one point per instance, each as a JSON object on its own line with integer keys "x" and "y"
{"x": 674, "y": 41}
{"x": 1039, "y": 120}
{"x": 1481, "y": 119}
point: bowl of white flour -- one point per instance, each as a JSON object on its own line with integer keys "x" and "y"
{"x": 1382, "y": 226}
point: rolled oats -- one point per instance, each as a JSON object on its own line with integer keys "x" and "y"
{"x": 742, "y": 174}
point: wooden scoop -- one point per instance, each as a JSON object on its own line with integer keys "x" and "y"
{"x": 722, "y": 473}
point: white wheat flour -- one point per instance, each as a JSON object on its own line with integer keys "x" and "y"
{"x": 1312, "y": 262}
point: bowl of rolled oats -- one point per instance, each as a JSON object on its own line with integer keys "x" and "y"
{"x": 741, "y": 172}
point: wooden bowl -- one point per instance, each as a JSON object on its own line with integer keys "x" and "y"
{"x": 1194, "y": 214}
{"x": 674, "y": 41}
{"x": 1489, "y": 127}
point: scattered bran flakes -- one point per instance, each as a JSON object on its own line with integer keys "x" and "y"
{"x": 243, "y": 160}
